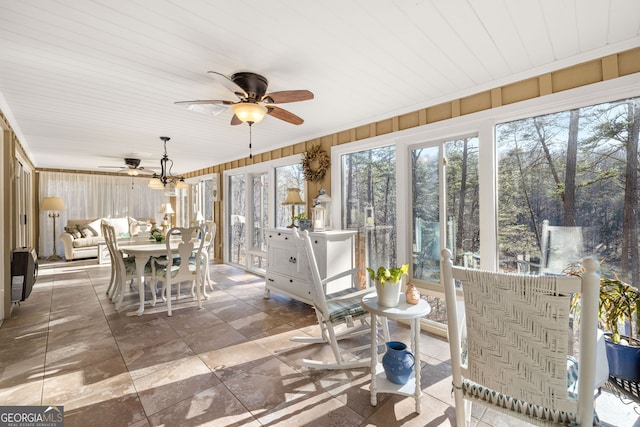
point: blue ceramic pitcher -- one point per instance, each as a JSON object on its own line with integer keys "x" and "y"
{"x": 398, "y": 362}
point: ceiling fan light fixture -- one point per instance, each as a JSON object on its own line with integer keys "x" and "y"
{"x": 133, "y": 172}
{"x": 249, "y": 111}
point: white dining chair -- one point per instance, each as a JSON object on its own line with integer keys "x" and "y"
{"x": 183, "y": 262}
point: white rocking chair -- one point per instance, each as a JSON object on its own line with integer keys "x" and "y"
{"x": 514, "y": 355}
{"x": 339, "y": 308}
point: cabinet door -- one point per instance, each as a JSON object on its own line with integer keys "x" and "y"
{"x": 280, "y": 258}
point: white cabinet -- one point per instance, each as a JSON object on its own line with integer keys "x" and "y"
{"x": 288, "y": 272}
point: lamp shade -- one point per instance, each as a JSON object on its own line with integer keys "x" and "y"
{"x": 52, "y": 204}
{"x": 293, "y": 197}
{"x": 249, "y": 111}
{"x": 166, "y": 208}
{"x": 181, "y": 185}
{"x": 199, "y": 216}
{"x": 156, "y": 184}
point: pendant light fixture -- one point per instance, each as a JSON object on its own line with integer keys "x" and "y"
{"x": 165, "y": 178}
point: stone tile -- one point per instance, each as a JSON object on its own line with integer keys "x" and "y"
{"x": 236, "y": 359}
{"x": 313, "y": 409}
{"x": 27, "y": 391}
{"x": 216, "y": 336}
{"x": 269, "y": 384}
{"x": 142, "y": 335}
{"x": 177, "y": 381}
{"x": 88, "y": 385}
{"x": 192, "y": 320}
{"x": 254, "y": 324}
{"x": 120, "y": 411}
{"x": 215, "y": 406}
{"x": 156, "y": 357}
{"x": 400, "y": 411}
{"x": 231, "y": 309}
{"x": 81, "y": 354}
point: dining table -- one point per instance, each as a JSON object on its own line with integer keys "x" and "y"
{"x": 143, "y": 251}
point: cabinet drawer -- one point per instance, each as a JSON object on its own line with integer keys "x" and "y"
{"x": 289, "y": 286}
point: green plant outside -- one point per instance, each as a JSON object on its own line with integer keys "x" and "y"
{"x": 391, "y": 275}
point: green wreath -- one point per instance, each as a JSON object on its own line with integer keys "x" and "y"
{"x": 315, "y": 156}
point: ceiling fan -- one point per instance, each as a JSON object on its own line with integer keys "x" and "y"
{"x": 254, "y": 103}
{"x": 132, "y": 167}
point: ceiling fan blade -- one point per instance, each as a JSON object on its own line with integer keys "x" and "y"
{"x": 287, "y": 96}
{"x": 206, "y": 106}
{"x": 235, "y": 120}
{"x": 228, "y": 83}
{"x": 282, "y": 114}
{"x": 205, "y": 101}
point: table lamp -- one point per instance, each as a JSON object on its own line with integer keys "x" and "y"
{"x": 53, "y": 205}
{"x": 293, "y": 198}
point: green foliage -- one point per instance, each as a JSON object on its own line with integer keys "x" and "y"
{"x": 301, "y": 215}
{"x": 618, "y": 304}
{"x": 391, "y": 275}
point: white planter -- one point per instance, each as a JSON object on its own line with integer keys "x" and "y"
{"x": 389, "y": 294}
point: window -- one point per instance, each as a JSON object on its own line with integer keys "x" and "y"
{"x": 369, "y": 203}
{"x": 288, "y": 176}
{"x": 237, "y": 219}
{"x": 254, "y": 204}
{"x": 575, "y": 168}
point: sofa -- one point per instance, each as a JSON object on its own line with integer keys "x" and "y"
{"x": 81, "y": 237}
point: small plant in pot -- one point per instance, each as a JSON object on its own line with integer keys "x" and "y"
{"x": 618, "y": 307}
{"x": 304, "y": 223}
{"x": 387, "y": 282}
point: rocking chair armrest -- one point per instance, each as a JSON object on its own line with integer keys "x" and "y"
{"x": 351, "y": 272}
{"x": 357, "y": 295}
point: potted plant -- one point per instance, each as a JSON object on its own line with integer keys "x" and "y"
{"x": 387, "y": 282}
{"x": 618, "y": 307}
{"x": 156, "y": 234}
{"x": 304, "y": 223}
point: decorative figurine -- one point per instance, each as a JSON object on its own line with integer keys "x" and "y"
{"x": 412, "y": 294}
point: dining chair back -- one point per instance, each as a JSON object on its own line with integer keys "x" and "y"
{"x": 184, "y": 261}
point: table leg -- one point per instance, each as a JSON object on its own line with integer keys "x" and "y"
{"x": 374, "y": 358}
{"x": 415, "y": 346}
{"x": 141, "y": 261}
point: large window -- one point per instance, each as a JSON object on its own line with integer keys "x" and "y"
{"x": 461, "y": 229}
{"x": 576, "y": 169}
{"x": 237, "y": 248}
{"x": 369, "y": 203}
{"x": 288, "y": 176}
{"x": 254, "y": 204}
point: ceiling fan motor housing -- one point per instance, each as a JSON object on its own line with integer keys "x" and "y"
{"x": 134, "y": 163}
{"x": 254, "y": 84}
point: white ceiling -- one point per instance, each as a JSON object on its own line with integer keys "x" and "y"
{"x": 87, "y": 83}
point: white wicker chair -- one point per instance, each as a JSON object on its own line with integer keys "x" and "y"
{"x": 334, "y": 310}
{"x": 513, "y": 355}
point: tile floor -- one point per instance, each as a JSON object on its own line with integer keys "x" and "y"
{"x": 229, "y": 364}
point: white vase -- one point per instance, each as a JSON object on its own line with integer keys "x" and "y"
{"x": 388, "y": 294}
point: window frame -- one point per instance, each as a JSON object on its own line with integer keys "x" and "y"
{"x": 249, "y": 171}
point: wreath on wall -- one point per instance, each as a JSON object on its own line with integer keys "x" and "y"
{"x": 315, "y": 163}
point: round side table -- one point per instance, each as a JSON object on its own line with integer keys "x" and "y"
{"x": 403, "y": 311}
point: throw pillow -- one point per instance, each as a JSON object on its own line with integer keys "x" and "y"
{"x": 73, "y": 230}
{"x": 95, "y": 227}
{"x": 85, "y": 230}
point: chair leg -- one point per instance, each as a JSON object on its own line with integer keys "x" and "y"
{"x": 168, "y": 295}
